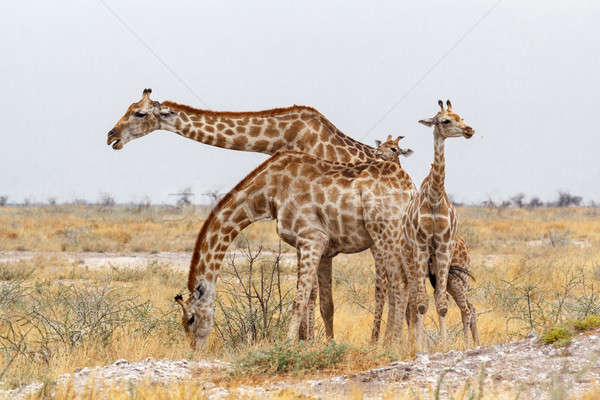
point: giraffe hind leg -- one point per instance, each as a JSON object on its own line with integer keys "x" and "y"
{"x": 458, "y": 290}
{"x": 380, "y": 293}
{"x": 326, "y": 295}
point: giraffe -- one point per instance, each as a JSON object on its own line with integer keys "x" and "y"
{"x": 429, "y": 224}
{"x": 298, "y": 128}
{"x": 322, "y": 209}
{"x": 458, "y": 274}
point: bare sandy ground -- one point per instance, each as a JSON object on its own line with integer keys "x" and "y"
{"x": 177, "y": 260}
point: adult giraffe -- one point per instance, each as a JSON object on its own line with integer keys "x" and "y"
{"x": 322, "y": 209}
{"x": 297, "y": 128}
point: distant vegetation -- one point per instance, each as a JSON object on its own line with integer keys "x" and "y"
{"x": 185, "y": 197}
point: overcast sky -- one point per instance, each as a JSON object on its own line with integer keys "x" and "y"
{"x": 526, "y": 78}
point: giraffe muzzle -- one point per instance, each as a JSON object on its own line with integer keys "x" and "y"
{"x": 113, "y": 140}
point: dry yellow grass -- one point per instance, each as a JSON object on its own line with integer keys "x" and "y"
{"x": 520, "y": 257}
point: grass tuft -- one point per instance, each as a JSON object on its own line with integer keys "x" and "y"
{"x": 283, "y": 357}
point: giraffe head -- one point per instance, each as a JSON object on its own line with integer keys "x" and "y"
{"x": 140, "y": 119}
{"x": 448, "y": 123}
{"x": 389, "y": 150}
{"x": 197, "y": 314}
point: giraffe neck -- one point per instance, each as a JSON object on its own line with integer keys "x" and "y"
{"x": 437, "y": 174}
{"x": 298, "y": 128}
{"x": 221, "y": 228}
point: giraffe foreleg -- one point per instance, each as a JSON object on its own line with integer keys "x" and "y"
{"x": 310, "y": 250}
{"x": 441, "y": 266}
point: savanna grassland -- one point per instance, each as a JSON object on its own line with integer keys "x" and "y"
{"x": 535, "y": 269}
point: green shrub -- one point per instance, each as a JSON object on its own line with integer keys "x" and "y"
{"x": 285, "y": 356}
{"x": 588, "y": 323}
{"x": 559, "y": 336}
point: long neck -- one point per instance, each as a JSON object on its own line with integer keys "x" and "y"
{"x": 221, "y": 228}
{"x": 295, "y": 128}
{"x": 437, "y": 174}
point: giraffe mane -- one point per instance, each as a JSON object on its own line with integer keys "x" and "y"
{"x": 260, "y": 113}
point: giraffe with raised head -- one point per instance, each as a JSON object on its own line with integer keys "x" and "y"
{"x": 430, "y": 224}
{"x": 458, "y": 274}
{"x": 298, "y": 128}
{"x": 322, "y": 209}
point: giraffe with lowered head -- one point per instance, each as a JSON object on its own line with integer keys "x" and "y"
{"x": 322, "y": 209}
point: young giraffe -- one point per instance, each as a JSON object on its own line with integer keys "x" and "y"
{"x": 429, "y": 225}
{"x": 458, "y": 274}
{"x": 298, "y": 128}
{"x": 322, "y": 209}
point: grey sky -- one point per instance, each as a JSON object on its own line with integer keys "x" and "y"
{"x": 526, "y": 79}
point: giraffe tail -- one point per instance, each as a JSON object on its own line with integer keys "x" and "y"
{"x": 459, "y": 271}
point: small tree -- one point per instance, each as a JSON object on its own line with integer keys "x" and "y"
{"x": 184, "y": 198}
{"x": 51, "y": 201}
{"x": 106, "y": 200}
{"x": 213, "y": 195}
{"x": 518, "y": 200}
{"x": 566, "y": 199}
{"x": 535, "y": 202}
{"x": 3, "y": 200}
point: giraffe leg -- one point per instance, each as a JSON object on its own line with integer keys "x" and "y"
{"x": 474, "y": 330}
{"x": 397, "y": 297}
{"x": 457, "y": 289}
{"x": 419, "y": 299}
{"x": 380, "y": 293}
{"x": 441, "y": 266}
{"x": 325, "y": 295}
{"x": 310, "y": 249}
{"x": 303, "y": 330}
{"x": 310, "y": 312}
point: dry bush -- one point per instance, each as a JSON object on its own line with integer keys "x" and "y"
{"x": 253, "y": 303}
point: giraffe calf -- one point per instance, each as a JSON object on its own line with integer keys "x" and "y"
{"x": 459, "y": 273}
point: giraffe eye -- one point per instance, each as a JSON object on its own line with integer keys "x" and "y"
{"x": 191, "y": 320}
{"x": 140, "y": 114}
{"x": 446, "y": 121}
{"x": 393, "y": 149}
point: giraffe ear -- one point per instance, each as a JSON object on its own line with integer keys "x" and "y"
{"x": 179, "y": 299}
{"x": 398, "y": 139}
{"x": 377, "y": 143}
{"x": 406, "y": 152}
{"x": 427, "y": 121}
{"x": 164, "y": 111}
